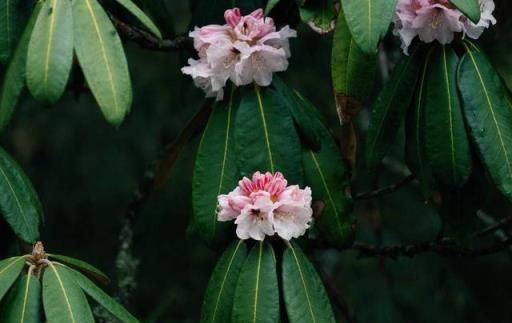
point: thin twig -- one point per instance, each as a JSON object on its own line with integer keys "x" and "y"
{"x": 386, "y": 190}
{"x": 496, "y": 226}
{"x": 147, "y": 41}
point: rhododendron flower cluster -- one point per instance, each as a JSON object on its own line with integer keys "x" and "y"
{"x": 438, "y": 20}
{"x": 265, "y": 205}
{"x": 246, "y": 49}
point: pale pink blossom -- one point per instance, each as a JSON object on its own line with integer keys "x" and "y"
{"x": 437, "y": 20}
{"x": 265, "y": 205}
{"x": 246, "y": 49}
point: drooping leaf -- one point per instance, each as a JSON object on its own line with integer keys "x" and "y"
{"x": 390, "y": 107}
{"x": 100, "y": 296}
{"x": 470, "y": 8}
{"x": 320, "y": 15}
{"x": 352, "y": 70}
{"x": 13, "y": 17}
{"x": 141, "y": 16}
{"x": 10, "y": 269}
{"x": 23, "y": 303}
{"x": 265, "y": 136}
{"x": 304, "y": 294}
{"x": 488, "y": 116}
{"x": 14, "y": 79}
{"x": 415, "y": 133}
{"x": 326, "y": 173}
{"x": 215, "y": 171}
{"x": 257, "y": 295}
{"x": 218, "y": 300}
{"x": 50, "y": 51}
{"x": 101, "y": 56}
{"x": 19, "y": 203}
{"x": 82, "y": 266}
{"x": 308, "y": 126}
{"x": 446, "y": 140}
{"x": 63, "y": 300}
{"x": 368, "y": 21}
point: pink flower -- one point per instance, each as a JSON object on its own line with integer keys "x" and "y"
{"x": 246, "y": 49}
{"x": 437, "y": 20}
{"x": 265, "y": 205}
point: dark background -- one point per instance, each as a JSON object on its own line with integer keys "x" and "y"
{"x": 86, "y": 171}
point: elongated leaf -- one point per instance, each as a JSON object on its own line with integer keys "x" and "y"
{"x": 257, "y": 295}
{"x": 63, "y": 300}
{"x": 304, "y": 293}
{"x": 215, "y": 171}
{"x": 326, "y": 173}
{"x": 82, "y": 266}
{"x": 218, "y": 300}
{"x": 19, "y": 203}
{"x": 320, "y": 15}
{"x": 265, "y": 136}
{"x": 488, "y": 116}
{"x": 23, "y": 303}
{"x": 50, "y": 51}
{"x": 141, "y": 16}
{"x": 10, "y": 269}
{"x": 390, "y": 107}
{"x": 471, "y": 8}
{"x": 270, "y": 5}
{"x": 415, "y": 128}
{"x": 368, "y": 21}
{"x": 447, "y": 145}
{"x": 101, "y": 56}
{"x": 99, "y": 296}
{"x": 14, "y": 79}
{"x": 13, "y": 16}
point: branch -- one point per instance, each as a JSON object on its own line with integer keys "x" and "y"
{"x": 147, "y": 41}
{"x": 496, "y": 226}
{"x": 339, "y": 300}
{"x": 386, "y": 190}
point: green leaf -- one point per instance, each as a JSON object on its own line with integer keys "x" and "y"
{"x": 14, "y": 79}
{"x": 257, "y": 294}
{"x": 10, "y": 269}
{"x": 19, "y": 203}
{"x": 368, "y": 21}
{"x": 270, "y": 5}
{"x": 320, "y": 15}
{"x": 304, "y": 293}
{"x": 488, "y": 116}
{"x": 82, "y": 266}
{"x": 447, "y": 145}
{"x": 63, "y": 300}
{"x": 326, "y": 173}
{"x": 100, "y": 296}
{"x": 141, "y": 16}
{"x": 353, "y": 71}
{"x": 215, "y": 171}
{"x": 415, "y": 133}
{"x": 50, "y": 51}
{"x": 390, "y": 108}
{"x": 23, "y": 303}
{"x": 101, "y": 56}
{"x": 13, "y": 16}
{"x": 218, "y": 300}
{"x": 470, "y": 8}
{"x": 265, "y": 136}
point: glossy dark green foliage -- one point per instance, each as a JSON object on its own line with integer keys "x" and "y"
{"x": 368, "y": 21}
{"x": 10, "y": 269}
{"x": 320, "y": 15}
{"x": 82, "y": 266}
{"x": 19, "y": 204}
{"x": 13, "y": 17}
{"x": 470, "y": 8}
{"x": 141, "y": 16}
{"x": 257, "y": 295}
{"x": 390, "y": 107}
{"x": 488, "y": 116}
{"x": 265, "y": 135}
{"x": 446, "y": 139}
{"x": 219, "y": 296}
{"x": 215, "y": 171}
{"x": 23, "y": 303}
{"x": 304, "y": 293}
